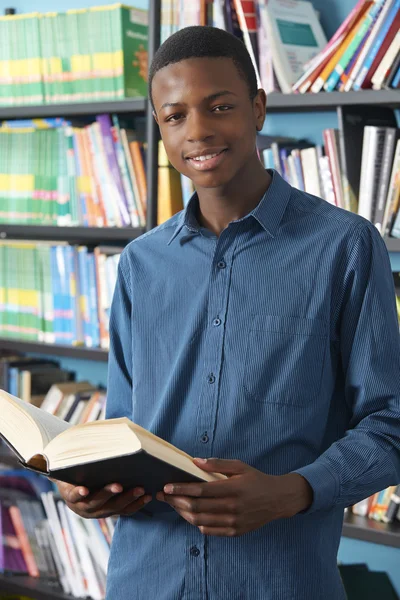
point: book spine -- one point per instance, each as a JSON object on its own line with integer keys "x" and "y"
{"x": 105, "y": 128}
{"x": 387, "y": 161}
{"x": 18, "y": 523}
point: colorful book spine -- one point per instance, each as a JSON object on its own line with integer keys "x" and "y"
{"x": 381, "y": 34}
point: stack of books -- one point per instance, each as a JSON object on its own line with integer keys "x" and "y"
{"x": 83, "y": 55}
{"x": 364, "y": 52}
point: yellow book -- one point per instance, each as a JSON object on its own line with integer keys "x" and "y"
{"x": 169, "y": 188}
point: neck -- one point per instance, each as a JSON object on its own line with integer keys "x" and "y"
{"x": 220, "y": 206}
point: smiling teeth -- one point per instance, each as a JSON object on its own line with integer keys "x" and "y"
{"x": 207, "y": 157}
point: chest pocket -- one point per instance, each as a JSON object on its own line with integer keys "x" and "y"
{"x": 284, "y": 359}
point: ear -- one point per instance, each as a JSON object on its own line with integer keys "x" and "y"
{"x": 260, "y": 106}
{"x": 155, "y": 117}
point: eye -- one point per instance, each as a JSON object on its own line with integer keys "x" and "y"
{"x": 173, "y": 118}
{"x": 221, "y": 108}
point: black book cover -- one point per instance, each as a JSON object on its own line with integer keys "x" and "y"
{"x": 138, "y": 469}
{"x": 352, "y": 120}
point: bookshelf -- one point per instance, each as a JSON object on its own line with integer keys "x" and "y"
{"x": 277, "y": 102}
{"x": 89, "y": 235}
{"x": 82, "y": 352}
{"x": 127, "y": 106}
{"x": 354, "y": 527}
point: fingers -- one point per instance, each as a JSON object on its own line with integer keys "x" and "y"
{"x": 210, "y": 489}
{"x": 209, "y": 520}
{"x": 219, "y": 465}
{"x": 110, "y": 500}
{"x": 198, "y": 505}
{"x": 135, "y": 506}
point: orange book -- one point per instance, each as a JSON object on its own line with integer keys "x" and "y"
{"x": 95, "y": 182}
{"x": 140, "y": 172}
{"x": 26, "y": 549}
{"x": 169, "y": 188}
{"x": 88, "y": 408}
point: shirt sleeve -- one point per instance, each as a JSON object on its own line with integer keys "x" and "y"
{"x": 119, "y": 387}
{"x": 367, "y": 458}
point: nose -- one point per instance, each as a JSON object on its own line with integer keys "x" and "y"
{"x": 198, "y": 127}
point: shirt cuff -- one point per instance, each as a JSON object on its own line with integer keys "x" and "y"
{"x": 324, "y": 483}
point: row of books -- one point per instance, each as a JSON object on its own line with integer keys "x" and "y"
{"x": 280, "y": 36}
{"x": 384, "y": 506}
{"x": 357, "y": 169}
{"x": 56, "y": 293}
{"x": 99, "y": 53}
{"x": 364, "y": 52}
{"x": 54, "y": 173}
{"x": 288, "y": 46}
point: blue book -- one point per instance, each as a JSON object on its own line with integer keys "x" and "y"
{"x": 396, "y": 80}
{"x": 382, "y": 33}
{"x": 268, "y": 158}
{"x": 13, "y": 381}
{"x": 57, "y": 302}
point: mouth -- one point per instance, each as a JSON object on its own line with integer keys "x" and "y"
{"x": 207, "y": 160}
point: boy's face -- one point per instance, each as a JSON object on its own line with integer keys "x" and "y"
{"x": 207, "y": 120}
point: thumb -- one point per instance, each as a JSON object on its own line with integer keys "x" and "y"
{"x": 219, "y": 465}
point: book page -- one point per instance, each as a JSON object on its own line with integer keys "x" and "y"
{"x": 27, "y": 427}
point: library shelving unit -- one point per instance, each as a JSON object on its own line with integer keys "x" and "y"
{"x": 354, "y": 527}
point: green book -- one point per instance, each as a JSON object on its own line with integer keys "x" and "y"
{"x": 134, "y": 44}
{"x": 6, "y": 88}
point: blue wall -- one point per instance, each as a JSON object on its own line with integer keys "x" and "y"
{"x": 333, "y": 12}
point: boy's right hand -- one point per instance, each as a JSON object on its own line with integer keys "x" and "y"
{"x": 111, "y": 500}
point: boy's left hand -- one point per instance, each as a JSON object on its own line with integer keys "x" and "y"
{"x": 245, "y": 501}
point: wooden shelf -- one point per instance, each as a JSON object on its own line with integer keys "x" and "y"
{"x": 277, "y": 102}
{"x": 367, "y": 530}
{"x": 130, "y": 105}
{"x": 37, "y": 589}
{"x": 89, "y": 235}
{"x": 97, "y": 354}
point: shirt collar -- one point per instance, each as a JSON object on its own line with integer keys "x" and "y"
{"x": 269, "y": 211}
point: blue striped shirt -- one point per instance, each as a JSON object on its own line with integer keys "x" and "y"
{"x": 277, "y": 344}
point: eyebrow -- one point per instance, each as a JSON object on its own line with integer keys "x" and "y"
{"x": 208, "y": 98}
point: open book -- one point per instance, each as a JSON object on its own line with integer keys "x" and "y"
{"x": 94, "y": 454}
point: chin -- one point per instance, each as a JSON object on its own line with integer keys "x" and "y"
{"x": 212, "y": 180}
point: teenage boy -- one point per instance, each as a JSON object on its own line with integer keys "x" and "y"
{"x": 257, "y": 326}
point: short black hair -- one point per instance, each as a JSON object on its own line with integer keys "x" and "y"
{"x": 200, "y": 41}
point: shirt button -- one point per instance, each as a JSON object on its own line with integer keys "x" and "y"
{"x": 217, "y": 322}
{"x": 194, "y": 551}
{"x": 221, "y": 264}
{"x": 204, "y": 438}
{"x": 211, "y": 378}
